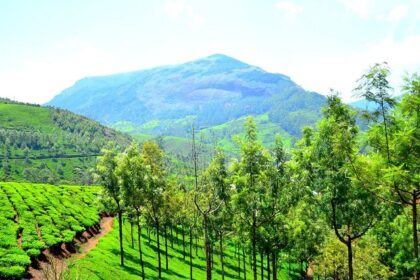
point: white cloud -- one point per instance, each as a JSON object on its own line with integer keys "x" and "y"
{"x": 39, "y": 80}
{"x": 398, "y": 13}
{"x": 320, "y": 73}
{"x": 175, "y": 8}
{"x": 182, "y": 9}
{"x": 288, "y": 7}
{"x": 360, "y": 7}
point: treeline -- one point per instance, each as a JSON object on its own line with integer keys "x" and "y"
{"x": 342, "y": 204}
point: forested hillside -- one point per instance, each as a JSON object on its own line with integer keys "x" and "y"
{"x": 40, "y": 144}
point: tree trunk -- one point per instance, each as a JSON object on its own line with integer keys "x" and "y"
{"x": 244, "y": 261}
{"x": 132, "y": 236}
{"x": 386, "y": 132}
{"x": 166, "y": 248}
{"x": 238, "y": 255}
{"x": 172, "y": 238}
{"x": 158, "y": 249}
{"x": 183, "y": 242}
{"x": 274, "y": 261}
{"x": 350, "y": 258}
{"x": 191, "y": 245}
{"x": 212, "y": 255}
{"x": 121, "y": 237}
{"x": 268, "y": 265}
{"x": 196, "y": 246}
{"x": 148, "y": 234}
{"x": 254, "y": 245}
{"x": 262, "y": 265}
{"x": 207, "y": 249}
{"x": 140, "y": 250}
{"x": 415, "y": 237}
{"x": 221, "y": 256}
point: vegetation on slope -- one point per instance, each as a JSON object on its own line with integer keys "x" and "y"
{"x": 34, "y": 217}
{"x": 48, "y": 145}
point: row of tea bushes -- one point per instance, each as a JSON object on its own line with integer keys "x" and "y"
{"x": 35, "y": 216}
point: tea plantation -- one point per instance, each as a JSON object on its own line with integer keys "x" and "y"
{"x": 34, "y": 217}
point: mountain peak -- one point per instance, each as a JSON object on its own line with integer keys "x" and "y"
{"x": 217, "y": 63}
{"x": 222, "y": 58}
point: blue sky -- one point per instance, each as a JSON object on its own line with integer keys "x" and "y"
{"x": 45, "y": 46}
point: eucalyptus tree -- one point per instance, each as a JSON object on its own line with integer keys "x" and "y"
{"x": 403, "y": 172}
{"x": 374, "y": 87}
{"x": 188, "y": 214}
{"x": 133, "y": 178}
{"x": 107, "y": 177}
{"x": 278, "y": 201}
{"x": 222, "y": 218}
{"x": 153, "y": 159}
{"x": 171, "y": 208}
{"x": 251, "y": 178}
{"x": 207, "y": 199}
{"x": 395, "y": 135}
{"x": 350, "y": 209}
{"x": 307, "y": 228}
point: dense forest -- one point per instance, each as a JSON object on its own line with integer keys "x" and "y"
{"x": 342, "y": 203}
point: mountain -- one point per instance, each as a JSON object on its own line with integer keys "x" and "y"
{"x": 209, "y": 92}
{"x": 363, "y": 104}
{"x": 42, "y": 144}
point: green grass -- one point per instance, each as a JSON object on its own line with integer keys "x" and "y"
{"x": 34, "y": 217}
{"x": 103, "y": 262}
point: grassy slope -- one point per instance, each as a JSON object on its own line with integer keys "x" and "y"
{"x": 34, "y": 217}
{"x": 103, "y": 261}
{"x": 64, "y": 134}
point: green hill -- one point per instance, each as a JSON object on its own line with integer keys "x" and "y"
{"x": 34, "y": 217}
{"x": 49, "y": 145}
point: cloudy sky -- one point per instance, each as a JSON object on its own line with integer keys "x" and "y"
{"x": 45, "y": 46}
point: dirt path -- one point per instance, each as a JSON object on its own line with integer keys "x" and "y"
{"x": 106, "y": 226}
{"x": 57, "y": 265}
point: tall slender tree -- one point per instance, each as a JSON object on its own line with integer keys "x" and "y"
{"x": 251, "y": 179}
{"x": 107, "y": 177}
{"x": 350, "y": 209}
{"x": 133, "y": 176}
{"x": 153, "y": 158}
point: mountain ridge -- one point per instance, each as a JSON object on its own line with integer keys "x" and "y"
{"x": 214, "y": 90}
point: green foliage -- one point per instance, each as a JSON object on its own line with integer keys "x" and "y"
{"x": 40, "y": 216}
{"x": 367, "y": 261}
{"x": 48, "y": 145}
